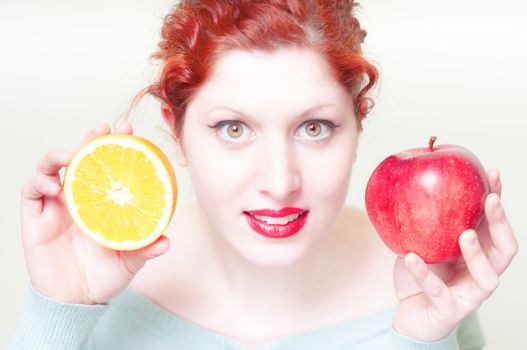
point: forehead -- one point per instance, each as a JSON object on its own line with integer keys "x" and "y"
{"x": 270, "y": 82}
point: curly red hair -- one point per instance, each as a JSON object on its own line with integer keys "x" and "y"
{"x": 196, "y": 32}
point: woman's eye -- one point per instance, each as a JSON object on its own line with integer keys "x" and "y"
{"x": 316, "y": 130}
{"x": 232, "y": 131}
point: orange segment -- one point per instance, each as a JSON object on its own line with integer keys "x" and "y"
{"x": 120, "y": 191}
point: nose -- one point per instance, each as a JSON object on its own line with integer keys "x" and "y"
{"x": 279, "y": 175}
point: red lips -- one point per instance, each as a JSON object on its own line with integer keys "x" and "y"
{"x": 276, "y": 213}
{"x": 276, "y": 230}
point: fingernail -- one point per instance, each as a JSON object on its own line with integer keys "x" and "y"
{"x": 471, "y": 240}
{"x": 414, "y": 262}
{"x": 497, "y": 203}
{"x": 101, "y": 127}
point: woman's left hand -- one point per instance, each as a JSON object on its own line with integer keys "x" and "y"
{"x": 434, "y": 299}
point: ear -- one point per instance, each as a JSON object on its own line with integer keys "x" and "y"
{"x": 169, "y": 119}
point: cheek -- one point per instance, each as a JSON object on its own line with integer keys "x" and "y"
{"x": 219, "y": 175}
{"x": 330, "y": 178}
{"x": 326, "y": 174}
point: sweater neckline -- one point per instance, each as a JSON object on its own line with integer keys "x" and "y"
{"x": 194, "y": 336}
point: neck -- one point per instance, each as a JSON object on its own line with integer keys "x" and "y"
{"x": 263, "y": 288}
{"x": 259, "y": 301}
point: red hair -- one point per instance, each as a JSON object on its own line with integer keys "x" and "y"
{"x": 196, "y": 32}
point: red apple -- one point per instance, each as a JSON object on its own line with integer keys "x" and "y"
{"x": 422, "y": 199}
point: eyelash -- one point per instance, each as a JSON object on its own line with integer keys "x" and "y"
{"x": 223, "y": 123}
{"x": 326, "y": 123}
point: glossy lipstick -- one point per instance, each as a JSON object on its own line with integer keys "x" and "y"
{"x": 276, "y": 229}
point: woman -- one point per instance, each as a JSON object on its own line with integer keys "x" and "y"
{"x": 265, "y": 100}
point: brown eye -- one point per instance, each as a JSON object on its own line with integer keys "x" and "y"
{"x": 316, "y": 130}
{"x": 232, "y": 131}
{"x": 313, "y": 129}
{"x": 235, "y": 130}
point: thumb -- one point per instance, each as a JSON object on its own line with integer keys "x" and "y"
{"x": 134, "y": 260}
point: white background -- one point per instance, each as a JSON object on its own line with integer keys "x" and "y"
{"x": 455, "y": 69}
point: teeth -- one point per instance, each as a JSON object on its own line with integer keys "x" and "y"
{"x": 277, "y": 221}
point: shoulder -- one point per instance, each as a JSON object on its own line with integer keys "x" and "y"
{"x": 354, "y": 226}
{"x": 370, "y": 263}
{"x": 354, "y": 217}
{"x": 152, "y": 280}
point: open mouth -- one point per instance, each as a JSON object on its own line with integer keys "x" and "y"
{"x": 277, "y": 227}
{"x": 283, "y": 220}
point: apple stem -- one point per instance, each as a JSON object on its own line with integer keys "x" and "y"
{"x": 431, "y": 143}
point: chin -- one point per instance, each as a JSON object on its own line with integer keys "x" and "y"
{"x": 273, "y": 255}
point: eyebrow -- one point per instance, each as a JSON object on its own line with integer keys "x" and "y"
{"x": 307, "y": 111}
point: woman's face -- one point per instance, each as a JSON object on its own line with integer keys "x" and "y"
{"x": 270, "y": 131}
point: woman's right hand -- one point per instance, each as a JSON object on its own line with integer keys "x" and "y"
{"x": 63, "y": 263}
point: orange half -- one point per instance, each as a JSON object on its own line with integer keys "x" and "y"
{"x": 121, "y": 191}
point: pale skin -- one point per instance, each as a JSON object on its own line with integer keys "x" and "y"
{"x": 265, "y": 289}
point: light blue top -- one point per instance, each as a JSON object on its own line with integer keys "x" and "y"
{"x": 132, "y": 322}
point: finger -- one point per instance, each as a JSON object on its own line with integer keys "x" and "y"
{"x": 432, "y": 286}
{"x": 36, "y": 189}
{"x": 134, "y": 260}
{"x": 404, "y": 283}
{"x": 493, "y": 175}
{"x": 52, "y": 162}
{"x": 100, "y": 130}
{"x": 480, "y": 269}
{"x": 504, "y": 243}
{"x": 125, "y": 128}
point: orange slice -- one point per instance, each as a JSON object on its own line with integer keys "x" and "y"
{"x": 120, "y": 191}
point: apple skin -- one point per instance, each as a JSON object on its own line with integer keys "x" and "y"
{"x": 422, "y": 199}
